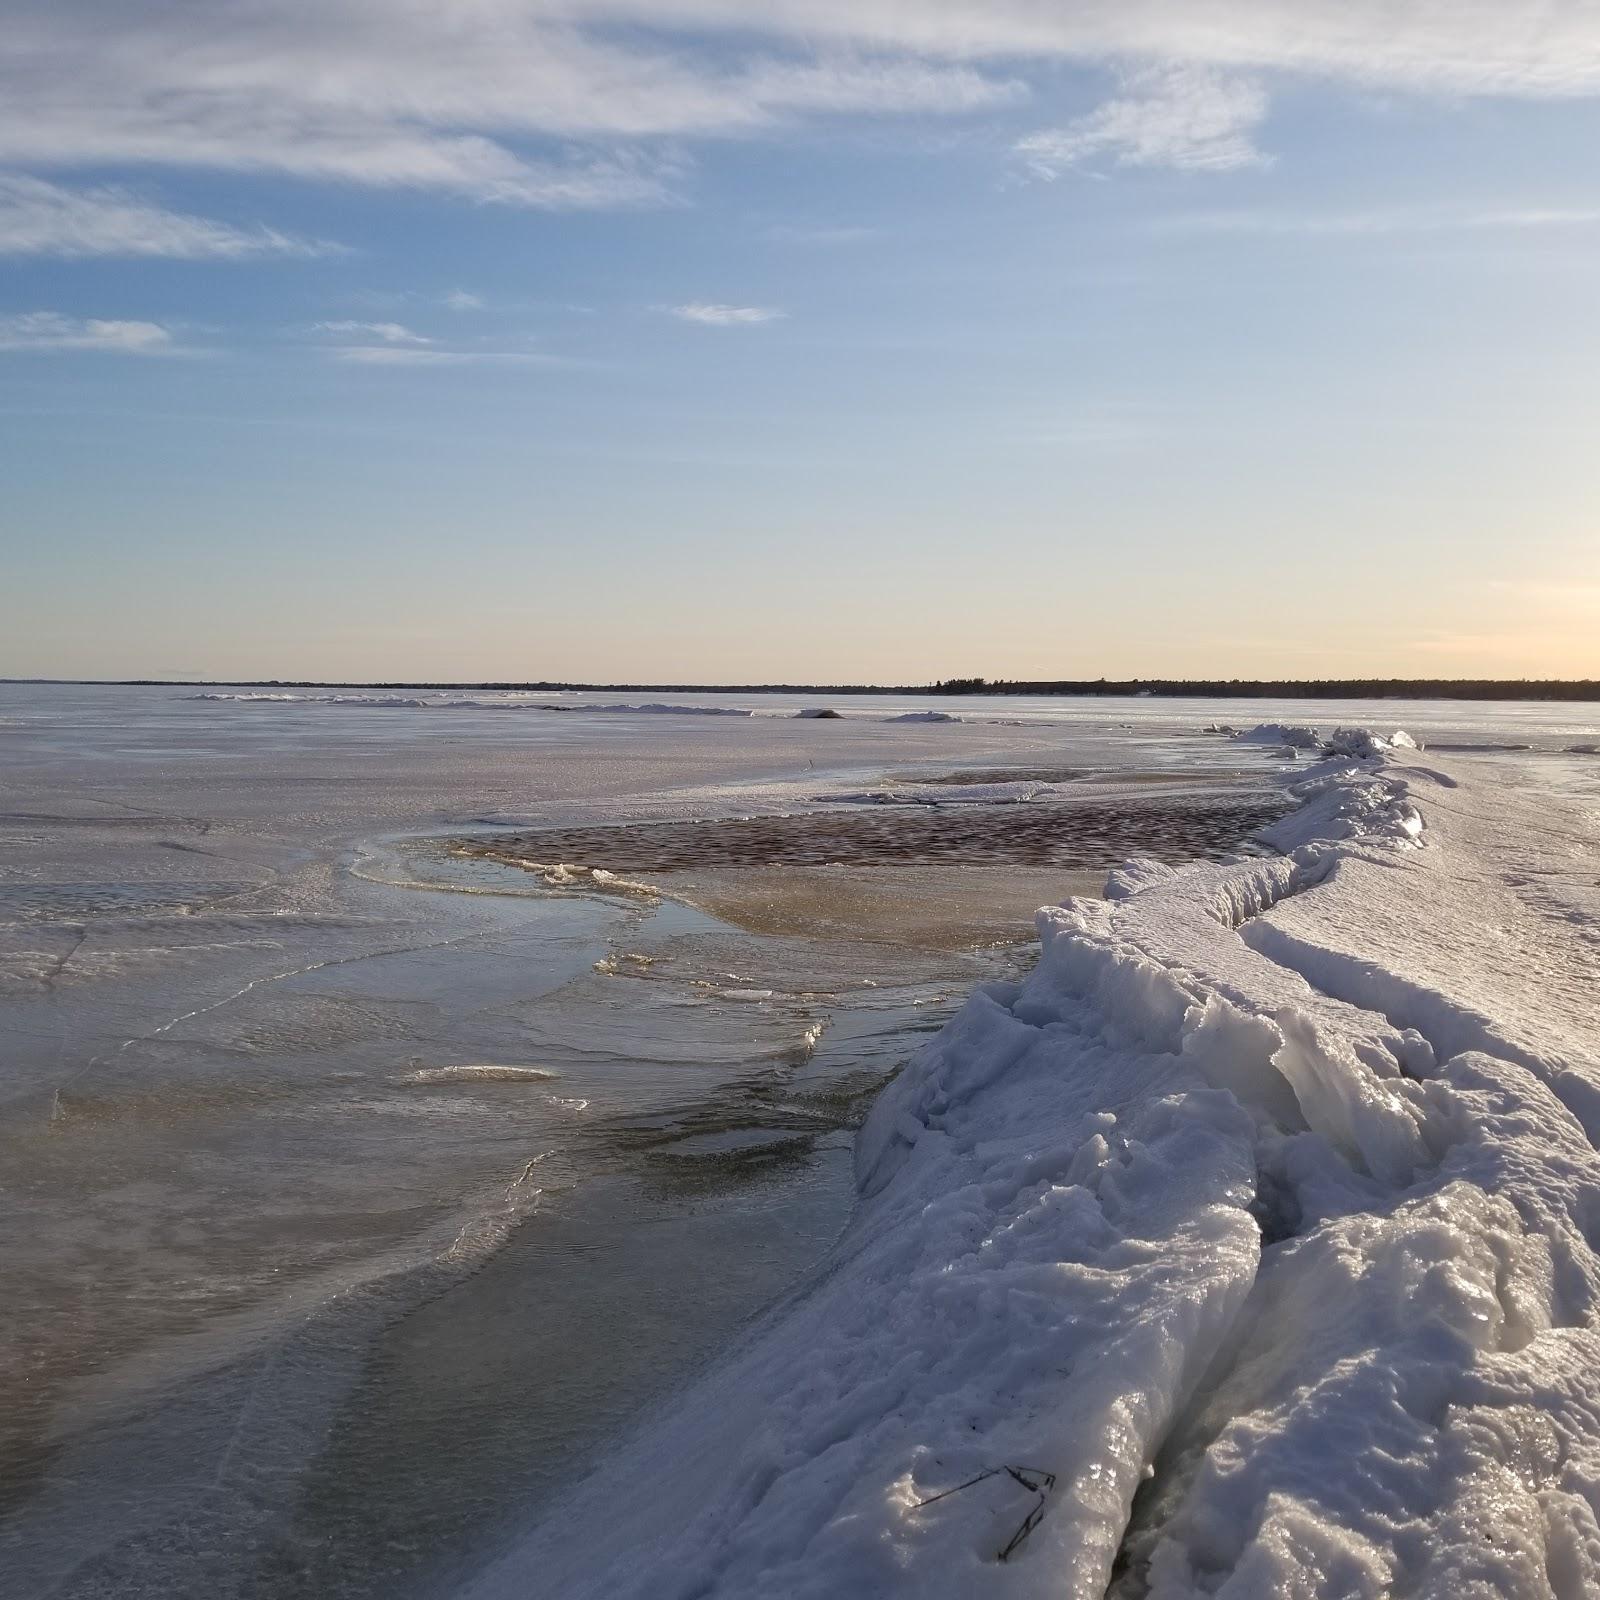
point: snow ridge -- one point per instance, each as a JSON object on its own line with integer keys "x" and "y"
{"x": 1218, "y": 1257}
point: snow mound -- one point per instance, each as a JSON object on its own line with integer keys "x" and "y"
{"x": 1364, "y": 744}
{"x": 818, "y": 713}
{"x": 1290, "y": 734}
{"x": 924, "y": 716}
{"x": 1583, "y": 749}
{"x": 1270, "y": 1194}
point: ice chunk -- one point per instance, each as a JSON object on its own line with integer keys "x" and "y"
{"x": 1364, "y": 744}
{"x": 1300, "y": 738}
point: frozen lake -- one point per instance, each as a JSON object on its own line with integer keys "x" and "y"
{"x": 358, "y": 1192}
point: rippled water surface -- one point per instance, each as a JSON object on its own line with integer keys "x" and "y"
{"x": 360, "y": 1186}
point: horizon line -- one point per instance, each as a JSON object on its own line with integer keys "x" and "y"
{"x": 1368, "y": 688}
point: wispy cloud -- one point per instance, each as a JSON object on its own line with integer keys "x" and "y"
{"x": 1476, "y": 49}
{"x": 719, "y": 316}
{"x": 418, "y": 96}
{"x": 1192, "y": 118}
{"x": 393, "y": 344}
{"x": 587, "y": 103}
{"x": 462, "y": 300}
{"x": 1364, "y": 223}
{"x": 389, "y": 333}
{"x": 50, "y": 330}
{"x": 847, "y": 83}
{"x": 392, "y": 355}
{"x": 44, "y": 219}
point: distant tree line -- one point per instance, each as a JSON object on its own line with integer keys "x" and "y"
{"x": 1196, "y": 688}
{"x": 1292, "y": 688}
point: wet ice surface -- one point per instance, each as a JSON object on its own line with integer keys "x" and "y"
{"x": 332, "y": 1157}
{"x": 233, "y": 1230}
{"x": 1058, "y": 831}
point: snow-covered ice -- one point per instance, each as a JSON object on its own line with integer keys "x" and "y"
{"x": 1247, "y": 1248}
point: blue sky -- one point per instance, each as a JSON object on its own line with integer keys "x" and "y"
{"x": 608, "y": 339}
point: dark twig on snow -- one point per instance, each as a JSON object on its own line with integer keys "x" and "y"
{"x": 1034, "y": 1479}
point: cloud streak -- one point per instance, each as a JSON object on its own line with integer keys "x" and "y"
{"x": 401, "y": 356}
{"x": 38, "y": 218}
{"x": 410, "y": 96}
{"x": 388, "y": 333}
{"x": 1194, "y": 119}
{"x": 51, "y": 331}
{"x": 1365, "y": 224}
{"x": 589, "y": 103}
{"x": 393, "y": 344}
{"x": 1551, "y": 49}
{"x": 719, "y": 316}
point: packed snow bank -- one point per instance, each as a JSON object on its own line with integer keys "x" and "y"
{"x": 924, "y": 716}
{"x": 1247, "y": 1248}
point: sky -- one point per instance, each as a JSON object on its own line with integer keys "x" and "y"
{"x": 799, "y": 340}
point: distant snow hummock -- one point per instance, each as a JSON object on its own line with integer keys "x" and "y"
{"x": 1363, "y": 743}
{"x": 1298, "y": 738}
{"x": 1271, "y": 1195}
{"x": 386, "y": 701}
